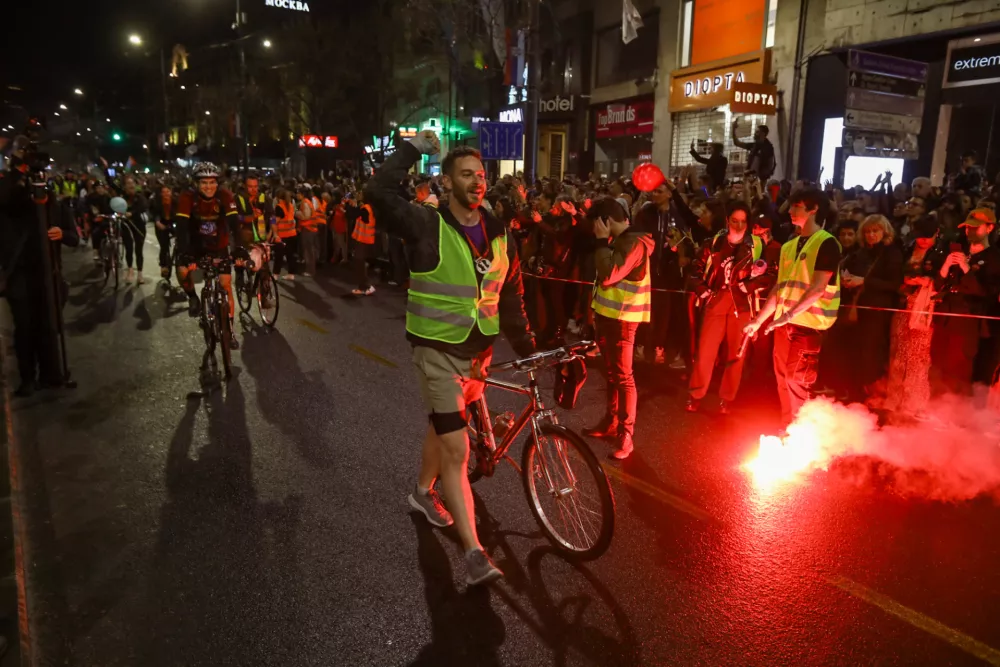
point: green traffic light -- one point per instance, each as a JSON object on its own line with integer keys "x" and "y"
{"x": 116, "y": 136}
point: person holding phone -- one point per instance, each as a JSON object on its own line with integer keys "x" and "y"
{"x": 622, "y": 301}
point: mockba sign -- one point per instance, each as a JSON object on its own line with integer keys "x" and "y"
{"x": 297, "y": 5}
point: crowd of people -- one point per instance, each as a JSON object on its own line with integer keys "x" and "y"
{"x": 915, "y": 264}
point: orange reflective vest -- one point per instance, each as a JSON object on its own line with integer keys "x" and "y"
{"x": 364, "y": 232}
{"x": 320, "y": 210}
{"x": 286, "y": 220}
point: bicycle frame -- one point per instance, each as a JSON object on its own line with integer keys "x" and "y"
{"x": 534, "y": 411}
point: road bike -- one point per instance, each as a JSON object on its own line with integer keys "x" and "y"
{"x": 112, "y": 249}
{"x": 260, "y": 285}
{"x": 215, "y": 322}
{"x": 566, "y": 487}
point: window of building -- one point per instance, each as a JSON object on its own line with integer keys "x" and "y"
{"x": 709, "y": 126}
{"x": 618, "y": 62}
{"x": 686, "y": 15}
{"x": 772, "y": 19}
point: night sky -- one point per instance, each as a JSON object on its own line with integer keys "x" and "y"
{"x": 55, "y": 46}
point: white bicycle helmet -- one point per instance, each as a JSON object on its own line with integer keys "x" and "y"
{"x": 205, "y": 170}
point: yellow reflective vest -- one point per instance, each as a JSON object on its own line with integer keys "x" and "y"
{"x": 795, "y": 274}
{"x": 626, "y": 300}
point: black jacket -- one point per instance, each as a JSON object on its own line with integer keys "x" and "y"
{"x": 417, "y": 225}
{"x": 742, "y": 271}
{"x": 21, "y": 242}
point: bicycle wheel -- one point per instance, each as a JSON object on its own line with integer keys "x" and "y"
{"x": 115, "y": 264}
{"x": 225, "y": 335}
{"x": 208, "y": 324}
{"x": 267, "y": 297}
{"x": 568, "y": 493}
{"x": 244, "y": 288}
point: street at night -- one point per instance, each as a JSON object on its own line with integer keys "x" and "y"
{"x": 482, "y": 333}
{"x": 265, "y": 522}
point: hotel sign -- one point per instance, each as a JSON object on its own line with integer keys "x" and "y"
{"x": 296, "y": 5}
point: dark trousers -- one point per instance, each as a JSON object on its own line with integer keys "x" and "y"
{"x": 134, "y": 238}
{"x": 285, "y": 254}
{"x": 361, "y": 251}
{"x": 163, "y": 238}
{"x": 397, "y": 259}
{"x": 953, "y": 352}
{"x": 34, "y": 343}
{"x": 657, "y": 331}
{"x": 323, "y": 243}
{"x": 617, "y": 342}
{"x": 720, "y": 322}
{"x": 796, "y": 361}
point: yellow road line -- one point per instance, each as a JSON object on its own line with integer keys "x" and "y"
{"x": 659, "y": 494}
{"x": 374, "y": 357}
{"x": 312, "y": 325}
{"x": 971, "y": 646}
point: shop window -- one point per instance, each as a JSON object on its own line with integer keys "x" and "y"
{"x": 710, "y": 126}
{"x": 618, "y": 62}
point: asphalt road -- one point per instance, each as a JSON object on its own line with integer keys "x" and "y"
{"x": 266, "y": 523}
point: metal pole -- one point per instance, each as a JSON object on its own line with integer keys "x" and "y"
{"x": 531, "y": 115}
{"x": 166, "y": 106}
{"x": 240, "y": 120}
{"x": 793, "y": 111}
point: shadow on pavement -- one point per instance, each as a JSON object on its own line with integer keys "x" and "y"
{"x": 466, "y": 631}
{"x": 315, "y": 304}
{"x": 223, "y": 578}
{"x": 464, "y": 628}
{"x": 287, "y": 397}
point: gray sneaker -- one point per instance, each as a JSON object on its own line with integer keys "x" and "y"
{"x": 432, "y": 507}
{"x": 481, "y": 569}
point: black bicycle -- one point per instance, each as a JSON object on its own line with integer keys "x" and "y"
{"x": 565, "y": 485}
{"x": 260, "y": 286}
{"x": 112, "y": 249}
{"x": 215, "y": 322}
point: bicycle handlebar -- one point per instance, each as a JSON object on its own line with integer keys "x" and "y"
{"x": 547, "y": 358}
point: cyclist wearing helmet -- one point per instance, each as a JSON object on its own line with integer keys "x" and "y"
{"x": 204, "y": 216}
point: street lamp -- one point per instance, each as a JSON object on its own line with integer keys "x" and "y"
{"x": 208, "y": 113}
{"x": 145, "y": 147}
{"x": 77, "y": 91}
{"x": 108, "y": 119}
{"x": 267, "y": 43}
{"x": 63, "y": 107}
{"x": 135, "y": 39}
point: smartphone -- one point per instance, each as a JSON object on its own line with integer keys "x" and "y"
{"x": 956, "y": 247}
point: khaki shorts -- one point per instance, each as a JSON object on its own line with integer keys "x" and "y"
{"x": 448, "y": 383}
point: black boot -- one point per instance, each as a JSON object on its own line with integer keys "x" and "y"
{"x": 625, "y": 447}
{"x": 607, "y": 428}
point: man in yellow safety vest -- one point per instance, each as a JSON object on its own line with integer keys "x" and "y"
{"x": 465, "y": 287}
{"x": 622, "y": 301}
{"x": 804, "y": 301}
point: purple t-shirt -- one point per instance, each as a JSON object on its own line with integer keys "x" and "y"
{"x": 477, "y": 235}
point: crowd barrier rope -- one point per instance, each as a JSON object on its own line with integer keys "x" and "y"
{"x": 680, "y": 291}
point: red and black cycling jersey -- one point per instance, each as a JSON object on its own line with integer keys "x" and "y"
{"x": 206, "y": 221}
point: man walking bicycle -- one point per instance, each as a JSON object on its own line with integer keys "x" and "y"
{"x": 465, "y": 287}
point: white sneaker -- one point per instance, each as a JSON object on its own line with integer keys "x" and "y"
{"x": 128, "y": 276}
{"x": 678, "y": 363}
{"x": 573, "y": 327}
{"x": 290, "y": 276}
{"x": 140, "y": 280}
{"x": 370, "y": 291}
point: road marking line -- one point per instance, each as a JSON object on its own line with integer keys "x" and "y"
{"x": 312, "y": 325}
{"x": 659, "y": 494}
{"x": 918, "y": 620}
{"x": 374, "y": 357}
